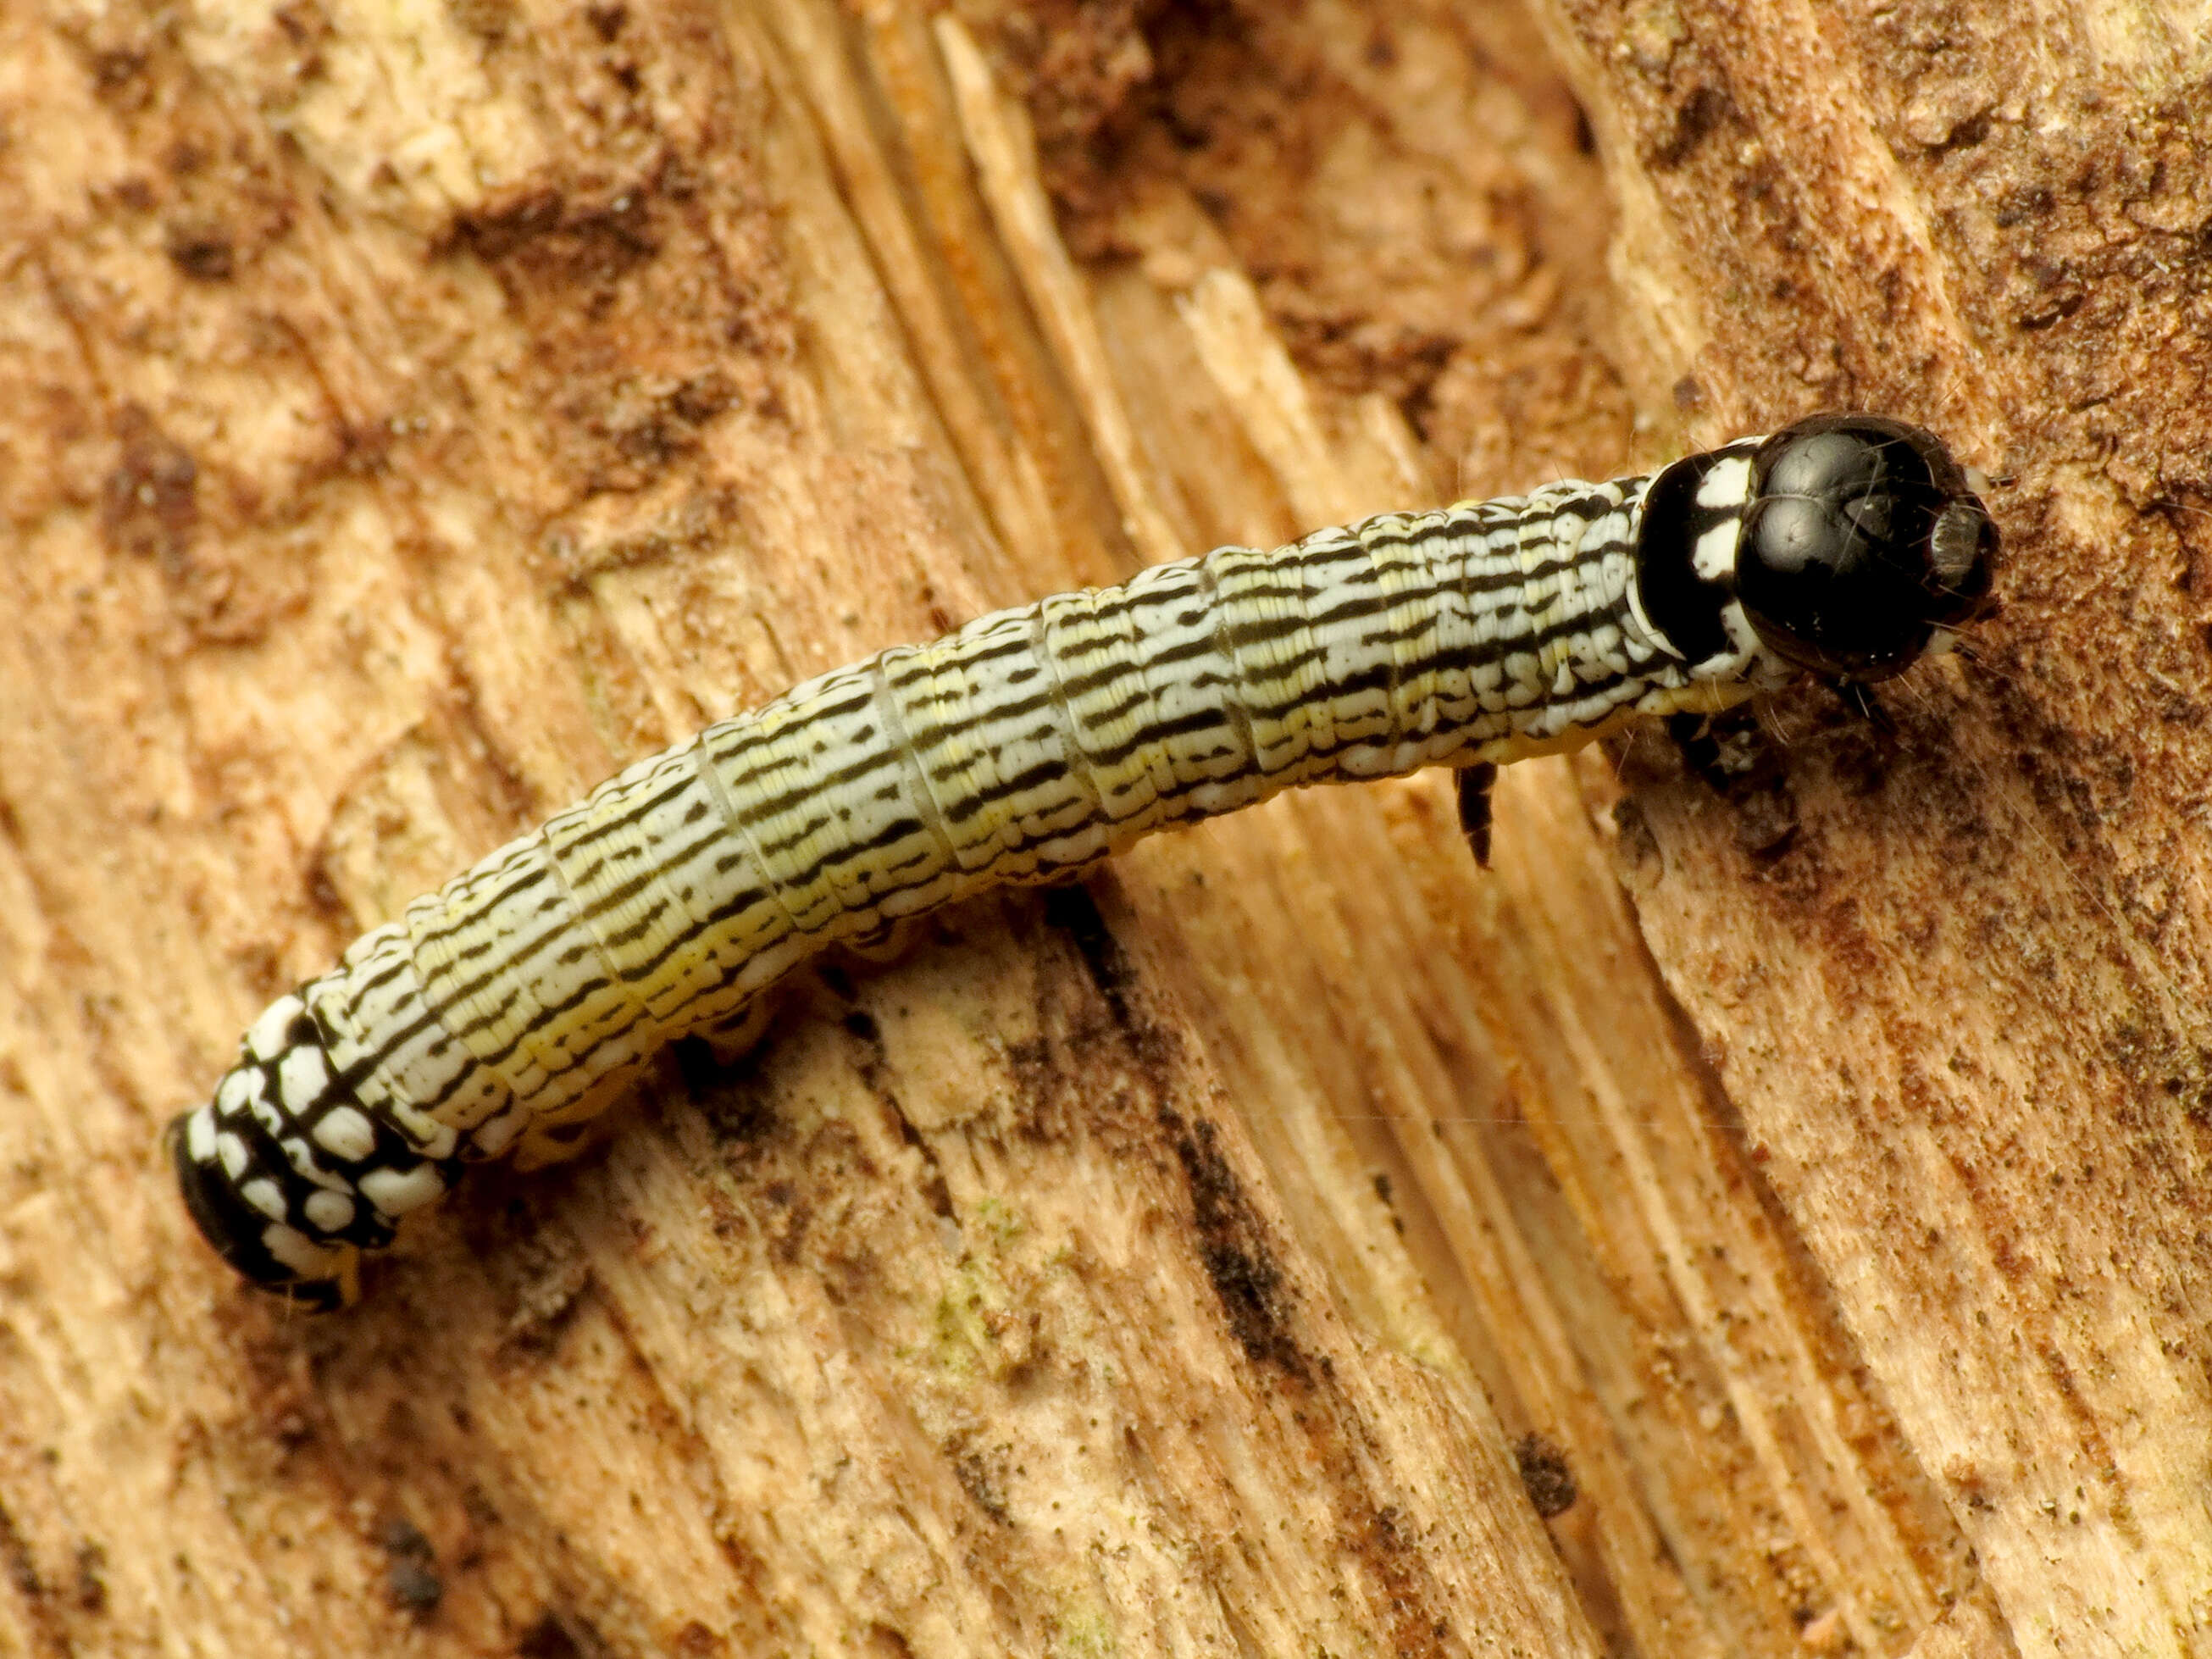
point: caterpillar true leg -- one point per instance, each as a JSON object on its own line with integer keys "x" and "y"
{"x": 1473, "y": 789}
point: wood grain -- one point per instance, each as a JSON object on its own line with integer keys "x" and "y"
{"x": 408, "y": 414}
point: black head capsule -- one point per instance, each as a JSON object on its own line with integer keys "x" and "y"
{"x": 1861, "y": 541}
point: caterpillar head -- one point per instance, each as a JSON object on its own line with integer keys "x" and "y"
{"x": 1863, "y": 545}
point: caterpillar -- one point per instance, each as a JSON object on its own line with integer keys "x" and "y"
{"x": 516, "y": 1001}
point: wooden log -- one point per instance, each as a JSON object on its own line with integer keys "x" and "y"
{"x": 1763, "y": 1214}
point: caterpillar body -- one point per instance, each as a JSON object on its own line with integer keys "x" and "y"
{"x": 519, "y": 997}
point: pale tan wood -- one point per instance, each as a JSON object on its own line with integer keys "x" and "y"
{"x": 411, "y": 414}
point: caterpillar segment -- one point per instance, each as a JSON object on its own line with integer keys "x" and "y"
{"x": 515, "y": 1002}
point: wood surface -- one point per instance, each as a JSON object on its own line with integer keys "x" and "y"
{"x": 1765, "y": 1213}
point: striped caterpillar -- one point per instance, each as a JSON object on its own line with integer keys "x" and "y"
{"x": 515, "y": 1001}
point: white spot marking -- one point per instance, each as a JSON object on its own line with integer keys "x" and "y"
{"x": 1726, "y": 484}
{"x": 396, "y": 1194}
{"x": 232, "y": 1151}
{"x": 239, "y": 1090}
{"x": 347, "y": 1133}
{"x": 303, "y": 1075}
{"x": 271, "y": 1033}
{"x": 1714, "y": 557}
{"x": 329, "y": 1212}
